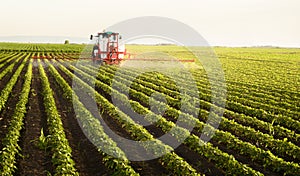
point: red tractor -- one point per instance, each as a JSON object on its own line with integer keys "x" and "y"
{"x": 106, "y": 49}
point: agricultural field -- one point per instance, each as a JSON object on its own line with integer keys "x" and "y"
{"x": 48, "y": 128}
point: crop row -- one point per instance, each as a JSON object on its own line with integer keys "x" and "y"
{"x": 204, "y": 87}
{"x": 223, "y": 137}
{"x": 260, "y": 88}
{"x": 9, "y": 68}
{"x": 284, "y": 121}
{"x": 237, "y": 94}
{"x": 57, "y": 141}
{"x": 281, "y": 132}
{"x": 223, "y": 160}
{"x": 240, "y": 118}
{"x": 10, "y": 144}
{"x": 170, "y": 160}
{"x": 5, "y": 93}
{"x": 243, "y": 98}
{"x": 94, "y": 130}
{"x": 265, "y": 141}
{"x": 8, "y": 56}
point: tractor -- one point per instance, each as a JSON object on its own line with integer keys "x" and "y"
{"x": 107, "y": 50}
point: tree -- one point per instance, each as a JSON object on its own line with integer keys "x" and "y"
{"x": 67, "y": 42}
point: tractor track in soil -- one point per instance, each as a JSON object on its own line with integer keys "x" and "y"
{"x": 8, "y": 110}
{"x": 149, "y": 167}
{"x": 88, "y": 161}
{"x": 35, "y": 161}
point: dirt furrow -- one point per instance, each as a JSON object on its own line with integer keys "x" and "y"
{"x": 149, "y": 167}
{"x": 88, "y": 160}
{"x": 34, "y": 160}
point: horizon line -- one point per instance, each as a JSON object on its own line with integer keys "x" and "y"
{"x": 23, "y": 39}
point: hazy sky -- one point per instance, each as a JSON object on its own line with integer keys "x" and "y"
{"x": 220, "y": 22}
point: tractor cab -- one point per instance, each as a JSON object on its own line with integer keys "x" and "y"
{"x": 107, "y": 49}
